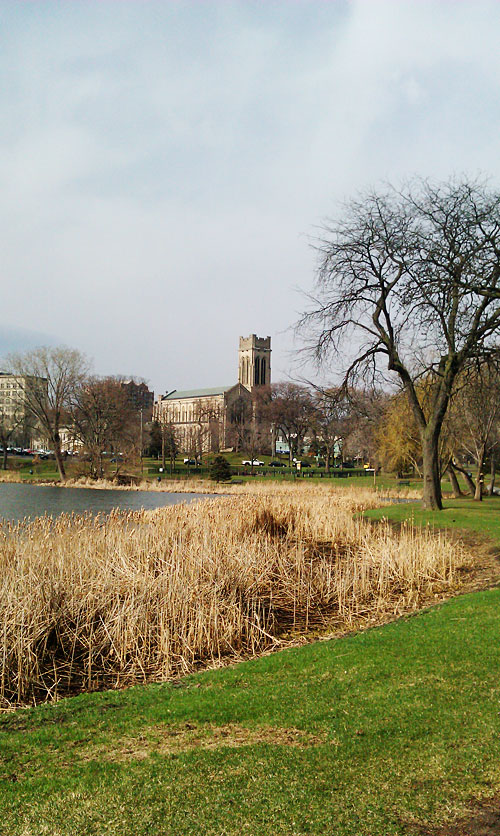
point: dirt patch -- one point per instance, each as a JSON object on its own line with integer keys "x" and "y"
{"x": 484, "y": 820}
{"x": 186, "y": 737}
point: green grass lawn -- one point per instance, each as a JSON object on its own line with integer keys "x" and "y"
{"x": 481, "y": 517}
{"x": 362, "y": 735}
{"x": 366, "y": 735}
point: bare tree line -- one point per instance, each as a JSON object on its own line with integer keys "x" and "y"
{"x": 54, "y": 395}
{"x": 334, "y": 422}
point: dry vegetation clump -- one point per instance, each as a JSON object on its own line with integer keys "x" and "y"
{"x": 10, "y": 476}
{"x": 90, "y": 602}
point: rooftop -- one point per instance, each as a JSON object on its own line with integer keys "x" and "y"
{"x": 198, "y": 393}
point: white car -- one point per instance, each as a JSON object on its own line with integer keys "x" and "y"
{"x": 255, "y": 463}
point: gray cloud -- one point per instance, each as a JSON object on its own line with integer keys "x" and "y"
{"x": 163, "y": 166}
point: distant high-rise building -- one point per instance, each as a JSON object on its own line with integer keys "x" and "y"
{"x": 140, "y": 397}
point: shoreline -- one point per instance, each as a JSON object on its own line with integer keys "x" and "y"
{"x": 205, "y": 486}
{"x": 173, "y": 486}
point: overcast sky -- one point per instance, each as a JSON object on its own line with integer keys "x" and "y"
{"x": 165, "y": 165}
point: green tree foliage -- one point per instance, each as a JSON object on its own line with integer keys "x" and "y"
{"x": 220, "y": 470}
{"x": 155, "y": 440}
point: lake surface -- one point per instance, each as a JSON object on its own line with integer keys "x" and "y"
{"x": 18, "y": 501}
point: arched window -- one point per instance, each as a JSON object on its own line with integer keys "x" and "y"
{"x": 247, "y": 371}
{"x": 263, "y": 371}
{"x": 257, "y": 371}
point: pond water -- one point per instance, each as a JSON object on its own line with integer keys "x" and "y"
{"x": 18, "y": 501}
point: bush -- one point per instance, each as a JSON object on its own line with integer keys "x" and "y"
{"x": 220, "y": 470}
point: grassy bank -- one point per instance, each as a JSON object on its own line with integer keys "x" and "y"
{"x": 368, "y": 735}
{"x": 91, "y": 603}
{"x": 458, "y": 514}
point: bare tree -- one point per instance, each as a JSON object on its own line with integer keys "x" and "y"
{"x": 12, "y": 421}
{"x": 476, "y": 408}
{"x": 208, "y": 418}
{"x": 411, "y": 278}
{"x": 329, "y": 423}
{"x": 291, "y": 410}
{"x": 50, "y": 379}
{"x": 363, "y": 415}
{"x": 103, "y": 419}
{"x": 168, "y": 445}
{"x": 240, "y": 423}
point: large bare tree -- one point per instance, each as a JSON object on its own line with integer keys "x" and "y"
{"x": 50, "y": 378}
{"x": 103, "y": 419}
{"x": 409, "y": 281}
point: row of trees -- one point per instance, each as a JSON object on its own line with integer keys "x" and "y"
{"x": 379, "y": 426}
{"x": 55, "y": 396}
{"x": 470, "y": 434}
{"x": 59, "y": 395}
{"x": 323, "y": 421}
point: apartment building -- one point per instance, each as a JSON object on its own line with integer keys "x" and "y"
{"x": 14, "y": 413}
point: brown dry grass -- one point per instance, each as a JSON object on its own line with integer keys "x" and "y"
{"x": 184, "y": 737}
{"x": 89, "y": 602}
{"x": 9, "y": 476}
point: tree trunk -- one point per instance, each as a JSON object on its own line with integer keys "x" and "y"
{"x": 478, "y": 491}
{"x": 470, "y": 484}
{"x": 59, "y": 458}
{"x": 4, "y": 464}
{"x": 432, "y": 498}
{"x": 491, "y": 486}
{"x": 457, "y": 491}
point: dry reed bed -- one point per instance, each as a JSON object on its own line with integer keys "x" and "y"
{"x": 89, "y": 602}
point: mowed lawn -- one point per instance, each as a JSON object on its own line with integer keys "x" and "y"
{"x": 364, "y": 735}
{"x": 482, "y": 518}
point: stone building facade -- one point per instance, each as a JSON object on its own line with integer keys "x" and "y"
{"x": 208, "y": 419}
{"x": 254, "y": 366}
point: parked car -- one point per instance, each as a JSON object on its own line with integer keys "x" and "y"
{"x": 277, "y": 464}
{"x": 189, "y": 461}
{"x": 255, "y": 463}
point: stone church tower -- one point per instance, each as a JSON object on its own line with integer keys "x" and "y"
{"x": 254, "y": 366}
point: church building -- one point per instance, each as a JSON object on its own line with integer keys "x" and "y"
{"x": 207, "y": 420}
